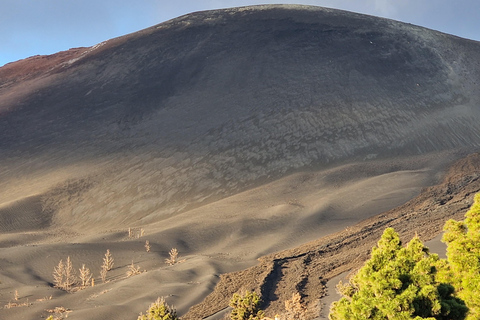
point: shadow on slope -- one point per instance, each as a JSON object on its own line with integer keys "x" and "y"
{"x": 26, "y": 214}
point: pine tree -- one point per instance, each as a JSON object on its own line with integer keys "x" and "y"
{"x": 106, "y": 266}
{"x": 159, "y": 310}
{"x": 64, "y": 275}
{"x": 108, "y": 260}
{"x": 463, "y": 254}
{"x": 246, "y": 307}
{"x": 84, "y": 275}
{"x": 398, "y": 283}
{"x": 59, "y": 275}
{"x": 70, "y": 277}
{"x": 173, "y": 257}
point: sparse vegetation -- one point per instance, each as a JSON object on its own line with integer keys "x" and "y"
{"x": 246, "y": 307}
{"x": 103, "y": 274}
{"x": 130, "y": 233}
{"x": 11, "y": 304}
{"x": 134, "y": 233}
{"x": 132, "y": 270}
{"x": 85, "y": 276}
{"x": 64, "y": 275}
{"x": 59, "y": 275}
{"x": 44, "y": 299}
{"x": 106, "y": 266}
{"x": 173, "y": 257}
{"x": 294, "y": 308}
{"x": 108, "y": 260}
{"x": 59, "y": 313}
{"x": 159, "y": 310}
{"x": 396, "y": 283}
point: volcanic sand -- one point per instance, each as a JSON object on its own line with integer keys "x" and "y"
{"x": 220, "y": 237}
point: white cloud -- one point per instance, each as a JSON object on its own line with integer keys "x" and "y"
{"x": 385, "y": 8}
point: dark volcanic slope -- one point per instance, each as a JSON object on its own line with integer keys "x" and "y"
{"x": 211, "y": 103}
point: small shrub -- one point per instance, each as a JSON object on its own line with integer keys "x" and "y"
{"x": 103, "y": 274}
{"x": 106, "y": 266}
{"x": 159, "y": 310}
{"x": 108, "y": 260}
{"x": 147, "y": 246}
{"x": 64, "y": 275}
{"x": 294, "y": 308}
{"x": 59, "y": 274}
{"x": 132, "y": 270}
{"x": 173, "y": 257}
{"x": 85, "y": 276}
{"x": 59, "y": 312}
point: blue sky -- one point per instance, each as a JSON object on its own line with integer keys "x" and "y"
{"x": 31, "y": 27}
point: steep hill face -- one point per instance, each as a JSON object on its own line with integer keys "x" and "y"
{"x": 212, "y": 103}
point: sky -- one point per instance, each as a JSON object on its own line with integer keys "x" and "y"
{"x": 33, "y": 27}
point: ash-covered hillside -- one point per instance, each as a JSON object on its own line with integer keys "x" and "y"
{"x": 211, "y": 103}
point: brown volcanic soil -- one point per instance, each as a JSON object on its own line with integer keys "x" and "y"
{"x": 307, "y": 269}
{"x": 28, "y": 68}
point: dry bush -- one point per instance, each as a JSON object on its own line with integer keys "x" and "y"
{"x": 95, "y": 295}
{"x": 135, "y": 233}
{"x": 64, "y": 275}
{"x": 59, "y": 312}
{"x": 59, "y": 275}
{"x": 173, "y": 257}
{"x": 132, "y": 270}
{"x": 147, "y": 246}
{"x": 294, "y": 308}
{"x": 16, "y": 297}
{"x": 70, "y": 277}
{"x": 108, "y": 260}
{"x": 44, "y": 299}
{"x": 85, "y": 276}
{"x": 11, "y": 304}
{"x": 130, "y": 233}
{"x": 103, "y": 273}
{"x": 106, "y": 266}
